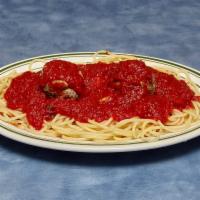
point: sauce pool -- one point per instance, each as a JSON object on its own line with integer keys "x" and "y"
{"x": 97, "y": 91}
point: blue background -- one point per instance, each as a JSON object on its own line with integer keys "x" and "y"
{"x": 163, "y": 28}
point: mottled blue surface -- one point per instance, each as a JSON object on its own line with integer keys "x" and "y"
{"x": 164, "y": 28}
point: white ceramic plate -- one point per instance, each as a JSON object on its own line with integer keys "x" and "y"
{"x": 14, "y": 133}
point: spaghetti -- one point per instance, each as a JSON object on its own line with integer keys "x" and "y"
{"x": 134, "y": 129}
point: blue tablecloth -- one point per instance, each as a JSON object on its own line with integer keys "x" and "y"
{"x": 163, "y": 28}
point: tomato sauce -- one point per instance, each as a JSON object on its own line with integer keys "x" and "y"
{"x": 97, "y": 91}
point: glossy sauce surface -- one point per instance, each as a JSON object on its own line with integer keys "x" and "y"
{"x": 97, "y": 91}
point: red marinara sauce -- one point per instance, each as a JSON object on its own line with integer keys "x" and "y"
{"x": 97, "y": 91}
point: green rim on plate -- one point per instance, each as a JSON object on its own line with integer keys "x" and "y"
{"x": 15, "y": 65}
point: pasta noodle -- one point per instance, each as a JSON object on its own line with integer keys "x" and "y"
{"x": 107, "y": 132}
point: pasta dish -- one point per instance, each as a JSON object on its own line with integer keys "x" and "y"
{"x": 114, "y": 99}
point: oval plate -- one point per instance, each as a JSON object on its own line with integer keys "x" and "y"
{"x": 17, "y": 134}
